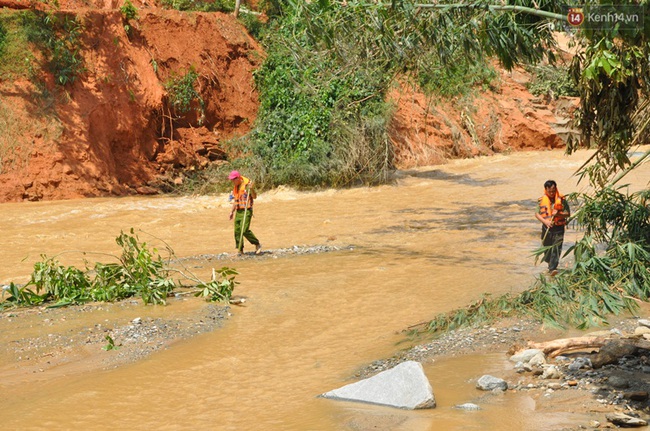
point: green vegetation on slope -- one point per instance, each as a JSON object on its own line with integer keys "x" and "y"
{"x": 324, "y": 118}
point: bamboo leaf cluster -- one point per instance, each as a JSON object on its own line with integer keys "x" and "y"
{"x": 139, "y": 272}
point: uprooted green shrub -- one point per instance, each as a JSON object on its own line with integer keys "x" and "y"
{"x": 610, "y": 272}
{"x": 182, "y": 93}
{"x": 138, "y": 272}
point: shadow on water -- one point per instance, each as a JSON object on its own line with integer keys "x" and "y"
{"x": 462, "y": 258}
{"x": 465, "y": 179}
{"x": 468, "y": 217}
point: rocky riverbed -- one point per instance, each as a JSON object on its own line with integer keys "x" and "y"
{"x": 43, "y": 343}
{"x": 614, "y": 395}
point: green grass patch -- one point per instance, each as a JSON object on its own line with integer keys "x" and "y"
{"x": 200, "y": 5}
{"x": 460, "y": 77}
{"x": 16, "y": 57}
{"x": 32, "y": 40}
{"x": 552, "y": 80}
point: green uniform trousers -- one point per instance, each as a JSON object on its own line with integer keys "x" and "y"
{"x": 242, "y": 224}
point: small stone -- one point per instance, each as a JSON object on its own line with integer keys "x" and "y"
{"x": 618, "y": 382}
{"x": 644, "y": 322}
{"x": 488, "y": 383}
{"x": 640, "y": 330}
{"x": 636, "y": 395}
{"x": 538, "y": 359}
{"x": 580, "y": 363}
{"x": 468, "y": 407}
{"x": 525, "y": 356}
{"x": 624, "y": 420}
{"x": 552, "y": 372}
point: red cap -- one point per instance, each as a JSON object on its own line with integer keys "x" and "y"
{"x": 233, "y": 175}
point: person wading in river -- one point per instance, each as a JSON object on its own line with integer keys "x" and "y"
{"x": 243, "y": 195}
{"x": 553, "y": 213}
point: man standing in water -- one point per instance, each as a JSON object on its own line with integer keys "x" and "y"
{"x": 553, "y": 213}
{"x": 243, "y": 195}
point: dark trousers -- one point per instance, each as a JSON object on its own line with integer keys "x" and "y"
{"x": 554, "y": 239}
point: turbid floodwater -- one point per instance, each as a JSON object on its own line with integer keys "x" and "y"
{"x": 436, "y": 239}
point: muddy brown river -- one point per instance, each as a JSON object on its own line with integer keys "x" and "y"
{"x": 436, "y": 240}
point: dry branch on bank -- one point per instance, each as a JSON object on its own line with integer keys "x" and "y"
{"x": 609, "y": 350}
{"x": 556, "y": 347}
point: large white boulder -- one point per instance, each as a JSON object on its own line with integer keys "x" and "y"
{"x": 404, "y": 386}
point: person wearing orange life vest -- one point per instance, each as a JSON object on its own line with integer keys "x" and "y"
{"x": 553, "y": 213}
{"x": 243, "y": 195}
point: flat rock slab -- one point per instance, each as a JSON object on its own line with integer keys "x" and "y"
{"x": 404, "y": 386}
{"x": 624, "y": 420}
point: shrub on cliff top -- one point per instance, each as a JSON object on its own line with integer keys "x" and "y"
{"x": 200, "y": 5}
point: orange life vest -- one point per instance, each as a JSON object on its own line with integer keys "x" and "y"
{"x": 240, "y": 194}
{"x": 545, "y": 208}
